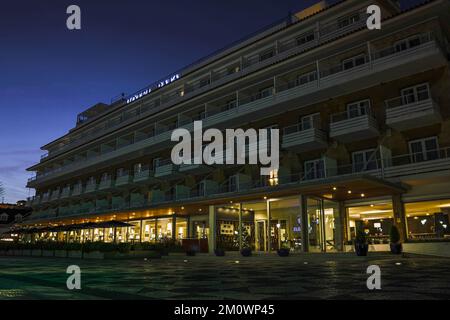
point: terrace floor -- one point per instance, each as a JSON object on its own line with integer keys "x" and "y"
{"x": 304, "y": 276}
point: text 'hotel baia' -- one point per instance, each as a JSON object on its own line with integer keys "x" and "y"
{"x": 364, "y": 120}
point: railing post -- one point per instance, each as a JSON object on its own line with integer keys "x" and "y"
{"x": 369, "y": 51}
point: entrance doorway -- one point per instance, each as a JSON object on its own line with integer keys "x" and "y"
{"x": 323, "y": 216}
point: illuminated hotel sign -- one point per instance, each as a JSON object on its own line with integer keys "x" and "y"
{"x": 153, "y": 87}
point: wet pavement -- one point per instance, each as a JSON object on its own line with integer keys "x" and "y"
{"x": 313, "y": 276}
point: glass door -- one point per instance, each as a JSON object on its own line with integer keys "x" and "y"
{"x": 322, "y": 232}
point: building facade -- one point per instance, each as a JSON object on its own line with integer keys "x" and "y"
{"x": 364, "y": 120}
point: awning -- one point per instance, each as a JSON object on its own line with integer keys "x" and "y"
{"x": 73, "y": 227}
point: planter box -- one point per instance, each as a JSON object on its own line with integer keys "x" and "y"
{"x": 26, "y": 253}
{"x": 61, "y": 253}
{"x": 48, "y": 253}
{"x": 95, "y": 255}
{"x": 75, "y": 254}
{"x": 36, "y": 253}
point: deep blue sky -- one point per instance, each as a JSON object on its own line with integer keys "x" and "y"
{"x": 49, "y": 74}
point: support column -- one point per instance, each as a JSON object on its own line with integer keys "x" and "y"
{"x": 141, "y": 224}
{"x": 156, "y": 230}
{"x": 268, "y": 233}
{"x": 399, "y": 215}
{"x": 341, "y": 226}
{"x": 212, "y": 230}
{"x": 304, "y": 222}
{"x": 240, "y": 226}
{"x": 174, "y": 227}
{"x": 188, "y": 227}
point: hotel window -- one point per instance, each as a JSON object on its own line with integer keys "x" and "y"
{"x": 266, "y": 92}
{"x": 202, "y": 189}
{"x": 91, "y": 180}
{"x": 231, "y": 104}
{"x": 138, "y": 168}
{"x": 305, "y": 38}
{"x": 18, "y": 218}
{"x": 3, "y": 217}
{"x": 358, "y": 108}
{"x": 407, "y": 43}
{"x": 314, "y": 169}
{"x": 105, "y": 177}
{"x": 364, "y": 160}
{"x": 266, "y": 54}
{"x": 121, "y": 172}
{"x": 347, "y": 21}
{"x": 310, "y": 121}
{"x": 416, "y": 93}
{"x": 156, "y": 162}
{"x": 424, "y": 149}
{"x": 306, "y": 78}
{"x": 353, "y": 62}
{"x": 428, "y": 220}
{"x": 233, "y": 184}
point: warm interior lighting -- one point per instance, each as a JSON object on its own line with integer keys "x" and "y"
{"x": 334, "y": 188}
{"x": 349, "y": 191}
{"x": 362, "y": 195}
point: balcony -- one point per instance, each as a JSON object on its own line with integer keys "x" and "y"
{"x": 407, "y": 112}
{"x": 348, "y": 127}
{"x": 167, "y": 170}
{"x": 299, "y": 139}
{"x": 144, "y": 176}
{"x": 106, "y": 184}
{"x": 194, "y": 168}
{"x": 425, "y": 56}
{"x": 124, "y": 180}
{"x": 90, "y": 188}
{"x": 77, "y": 190}
{"x": 65, "y": 193}
{"x": 55, "y": 195}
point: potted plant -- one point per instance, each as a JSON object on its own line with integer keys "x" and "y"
{"x": 396, "y": 245}
{"x": 219, "y": 252}
{"x": 361, "y": 245}
{"x": 284, "y": 250}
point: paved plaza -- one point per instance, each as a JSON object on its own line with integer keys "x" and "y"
{"x": 313, "y": 276}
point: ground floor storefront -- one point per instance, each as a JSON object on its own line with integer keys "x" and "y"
{"x": 302, "y": 223}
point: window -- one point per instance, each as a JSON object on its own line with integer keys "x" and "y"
{"x": 231, "y": 104}
{"x": 364, "y": 160}
{"x": 407, "y": 43}
{"x": 354, "y": 62}
{"x": 91, "y": 180}
{"x": 18, "y": 217}
{"x": 305, "y": 38}
{"x": 233, "y": 183}
{"x": 105, "y": 177}
{"x": 357, "y": 109}
{"x": 347, "y": 21}
{"x": 416, "y": 93}
{"x": 121, "y": 172}
{"x": 138, "y": 168}
{"x": 306, "y": 78}
{"x": 266, "y": 92}
{"x": 202, "y": 188}
{"x": 4, "y": 217}
{"x": 314, "y": 169}
{"x": 156, "y": 163}
{"x": 424, "y": 149}
{"x": 310, "y": 121}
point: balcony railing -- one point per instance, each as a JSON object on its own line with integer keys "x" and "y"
{"x": 243, "y": 102}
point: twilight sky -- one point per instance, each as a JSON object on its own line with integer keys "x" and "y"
{"x": 49, "y": 74}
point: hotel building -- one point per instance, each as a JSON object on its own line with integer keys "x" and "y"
{"x": 364, "y": 120}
